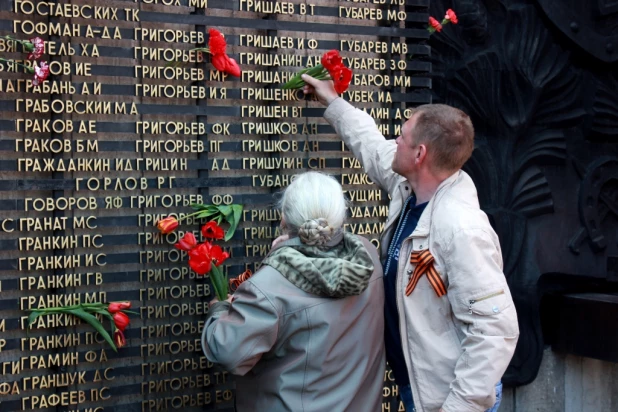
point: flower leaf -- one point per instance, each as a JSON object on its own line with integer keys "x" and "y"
{"x": 219, "y": 282}
{"x": 233, "y": 220}
{"x": 94, "y": 322}
{"x": 199, "y": 206}
{"x": 131, "y": 312}
{"x": 203, "y": 214}
{"x": 32, "y": 317}
{"x": 225, "y": 210}
{"x": 105, "y": 313}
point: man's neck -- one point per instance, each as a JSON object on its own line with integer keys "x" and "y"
{"x": 425, "y": 186}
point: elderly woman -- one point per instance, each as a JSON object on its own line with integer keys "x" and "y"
{"x": 305, "y": 332}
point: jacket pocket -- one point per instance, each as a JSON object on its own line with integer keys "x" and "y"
{"x": 488, "y": 304}
{"x": 492, "y": 313}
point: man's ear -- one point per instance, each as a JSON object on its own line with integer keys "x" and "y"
{"x": 421, "y": 154}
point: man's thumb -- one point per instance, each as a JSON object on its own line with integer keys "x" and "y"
{"x": 309, "y": 80}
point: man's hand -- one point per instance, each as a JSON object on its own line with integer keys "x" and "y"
{"x": 230, "y": 298}
{"x": 323, "y": 89}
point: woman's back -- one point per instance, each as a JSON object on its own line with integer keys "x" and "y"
{"x": 322, "y": 353}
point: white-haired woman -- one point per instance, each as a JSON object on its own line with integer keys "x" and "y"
{"x": 305, "y": 332}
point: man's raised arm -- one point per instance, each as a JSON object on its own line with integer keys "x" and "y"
{"x": 359, "y": 132}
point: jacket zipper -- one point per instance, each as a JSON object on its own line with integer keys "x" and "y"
{"x": 407, "y": 354}
{"x": 473, "y": 301}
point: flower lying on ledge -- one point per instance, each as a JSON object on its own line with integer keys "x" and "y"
{"x": 41, "y": 72}
{"x": 167, "y": 225}
{"x": 216, "y": 213}
{"x": 35, "y": 46}
{"x": 116, "y": 312}
{"x": 436, "y": 26}
{"x": 331, "y": 68}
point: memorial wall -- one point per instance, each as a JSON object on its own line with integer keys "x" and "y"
{"x": 133, "y": 125}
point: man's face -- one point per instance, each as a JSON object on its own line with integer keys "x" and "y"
{"x": 403, "y": 162}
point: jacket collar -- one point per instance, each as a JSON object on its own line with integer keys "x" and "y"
{"x": 424, "y": 223}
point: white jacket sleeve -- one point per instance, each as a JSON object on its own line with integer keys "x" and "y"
{"x": 237, "y": 335}
{"x": 482, "y": 303}
{"x": 360, "y": 133}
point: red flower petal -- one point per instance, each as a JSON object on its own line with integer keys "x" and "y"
{"x": 232, "y": 67}
{"x": 216, "y": 42}
{"x": 342, "y": 77}
{"x": 212, "y": 231}
{"x": 118, "y": 306}
{"x": 331, "y": 60}
{"x": 41, "y": 71}
{"x": 451, "y": 16}
{"x": 187, "y": 242}
{"x": 119, "y": 339}
{"x": 167, "y": 225}
{"x": 200, "y": 260}
{"x": 38, "y": 48}
{"x": 218, "y": 255}
{"x": 121, "y": 320}
{"x": 220, "y": 62}
{"x": 435, "y": 24}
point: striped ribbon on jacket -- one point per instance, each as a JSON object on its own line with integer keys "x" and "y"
{"x": 424, "y": 261}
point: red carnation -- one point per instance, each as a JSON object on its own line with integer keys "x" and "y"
{"x": 40, "y": 73}
{"x": 212, "y": 230}
{"x": 38, "y": 48}
{"x": 216, "y": 42}
{"x": 451, "y": 16}
{"x": 434, "y": 24}
{"x": 331, "y": 60}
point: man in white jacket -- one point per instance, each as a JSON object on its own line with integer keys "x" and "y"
{"x": 450, "y": 322}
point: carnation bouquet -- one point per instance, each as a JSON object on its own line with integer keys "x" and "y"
{"x": 436, "y": 26}
{"x": 331, "y": 68}
{"x": 35, "y": 48}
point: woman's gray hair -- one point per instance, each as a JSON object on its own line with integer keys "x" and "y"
{"x": 313, "y": 207}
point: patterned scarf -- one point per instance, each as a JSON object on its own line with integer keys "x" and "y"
{"x": 344, "y": 269}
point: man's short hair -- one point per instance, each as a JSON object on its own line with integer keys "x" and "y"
{"x": 447, "y": 132}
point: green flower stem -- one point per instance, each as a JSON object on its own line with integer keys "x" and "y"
{"x": 202, "y": 49}
{"x": 180, "y": 219}
{"x": 318, "y": 72}
{"x": 27, "y": 44}
{"x": 28, "y": 69}
{"x": 84, "y": 306}
{"x": 219, "y": 282}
